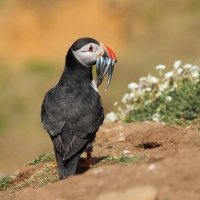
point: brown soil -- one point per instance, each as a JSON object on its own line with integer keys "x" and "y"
{"x": 170, "y": 170}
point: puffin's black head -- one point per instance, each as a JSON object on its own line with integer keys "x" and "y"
{"x": 89, "y": 52}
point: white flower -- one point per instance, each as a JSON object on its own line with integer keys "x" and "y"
{"x": 187, "y": 66}
{"x": 129, "y": 107}
{"x": 143, "y": 83}
{"x": 177, "y": 64}
{"x": 125, "y": 98}
{"x": 158, "y": 94}
{"x": 195, "y": 74}
{"x": 160, "y": 67}
{"x": 133, "y": 85}
{"x": 179, "y": 71}
{"x": 111, "y": 117}
{"x": 155, "y": 117}
{"x": 147, "y": 102}
{"x": 163, "y": 86}
{"x": 131, "y": 95}
{"x": 172, "y": 89}
{"x": 161, "y": 89}
{"x": 143, "y": 79}
{"x": 153, "y": 79}
{"x": 195, "y": 67}
{"x": 169, "y": 75}
{"x": 148, "y": 89}
{"x": 168, "y": 98}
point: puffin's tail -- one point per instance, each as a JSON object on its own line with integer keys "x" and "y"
{"x": 67, "y": 167}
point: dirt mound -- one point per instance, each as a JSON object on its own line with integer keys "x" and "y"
{"x": 147, "y": 138}
{"x": 169, "y": 171}
{"x": 28, "y": 171}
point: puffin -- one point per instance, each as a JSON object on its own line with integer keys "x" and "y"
{"x": 72, "y": 110}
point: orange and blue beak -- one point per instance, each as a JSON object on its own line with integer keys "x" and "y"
{"x": 105, "y": 64}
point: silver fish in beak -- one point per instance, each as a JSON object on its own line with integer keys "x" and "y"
{"x": 105, "y": 65}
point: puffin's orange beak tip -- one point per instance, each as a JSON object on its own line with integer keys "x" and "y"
{"x": 111, "y": 53}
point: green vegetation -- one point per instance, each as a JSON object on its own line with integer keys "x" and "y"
{"x": 123, "y": 159}
{"x": 40, "y": 178}
{"x": 174, "y": 98}
{"x": 4, "y": 182}
{"x": 109, "y": 160}
{"x": 49, "y": 173}
{"x": 129, "y": 159}
{"x": 42, "y": 158}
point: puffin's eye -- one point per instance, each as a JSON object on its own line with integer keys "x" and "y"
{"x": 90, "y": 48}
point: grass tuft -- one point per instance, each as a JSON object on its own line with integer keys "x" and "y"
{"x": 129, "y": 159}
{"x": 49, "y": 174}
{"x": 40, "y": 178}
{"x": 50, "y": 178}
{"x": 42, "y": 158}
{"x": 18, "y": 187}
{"x": 113, "y": 160}
{"x": 5, "y": 182}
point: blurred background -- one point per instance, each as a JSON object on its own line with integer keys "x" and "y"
{"x": 36, "y": 34}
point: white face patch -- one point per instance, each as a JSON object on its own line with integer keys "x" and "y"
{"x": 94, "y": 86}
{"x": 87, "y": 57}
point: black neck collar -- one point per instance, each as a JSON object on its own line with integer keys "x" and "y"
{"x": 75, "y": 70}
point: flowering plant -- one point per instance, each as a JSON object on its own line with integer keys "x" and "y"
{"x": 175, "y": 95}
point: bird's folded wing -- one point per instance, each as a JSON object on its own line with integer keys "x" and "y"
{"x": 58, "y": 144}
{"x": 87, "y": 117}
{"x": 76, "y": 145}
{"x": 68, "y": 151}
{"x": 53, "y": 114}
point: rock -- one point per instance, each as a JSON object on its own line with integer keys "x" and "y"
{"x": 151, "y": 167}
{"x": 121, "y": 137}
{"x": 126, "y": 151}
{"x": 135, "y": 193}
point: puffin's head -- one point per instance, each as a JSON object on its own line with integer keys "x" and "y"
{"x": 89, "y": 52}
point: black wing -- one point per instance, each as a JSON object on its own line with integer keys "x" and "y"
{"x": 80, "y": 114}
{"x": 53, "y": 114}
{"x": 86, "y": 116}
{"x": 84, "y": 121}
